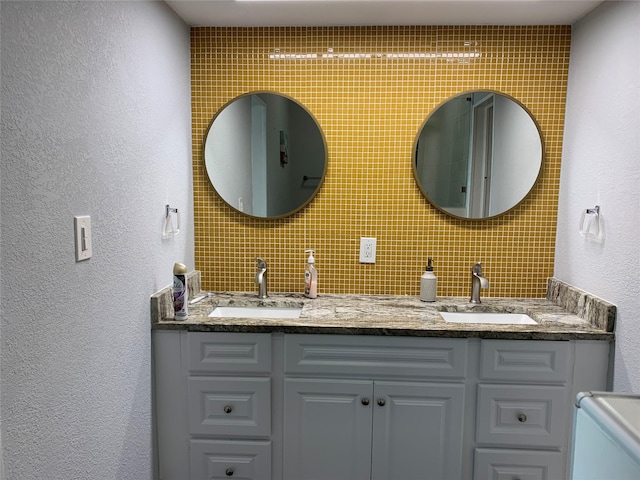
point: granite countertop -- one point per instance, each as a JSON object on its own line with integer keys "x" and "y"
{"x": 390, "y": 315}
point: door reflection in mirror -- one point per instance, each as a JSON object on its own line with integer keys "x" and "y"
{"x": 478, "y": 155}
{"x": 243, "y": 153}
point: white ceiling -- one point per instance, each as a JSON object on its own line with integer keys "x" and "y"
{"x": 228, "y": 13}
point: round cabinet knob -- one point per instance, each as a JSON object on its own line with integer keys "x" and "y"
{"x": 229, "y": 472}
{"x": 365, "y": 401}
{"x": 522, "y": 417}
{"x": 382, "y": 402}
{"x": 228, "y": 409}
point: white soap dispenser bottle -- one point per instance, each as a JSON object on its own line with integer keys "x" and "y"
{"x": 428, "y": 284}
{"x": 310, "y": 276}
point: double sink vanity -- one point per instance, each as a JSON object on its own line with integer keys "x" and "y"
{"x": 361, "y": 387}
{"x": 373, "y": 387}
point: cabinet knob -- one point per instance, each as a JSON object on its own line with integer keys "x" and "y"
{"x": 229, "y": 472}
{"x": 365, "y": 401}
{"x": 522, "y": 417}
{"x": 382, "y": 402}
{"x": 228, "y": 409}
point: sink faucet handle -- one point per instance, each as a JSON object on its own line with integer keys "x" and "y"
{"x": 262, "y": 264}
{"x": 477, "y": 269}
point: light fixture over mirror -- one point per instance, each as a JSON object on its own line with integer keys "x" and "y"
{"x": 478, "y": 155}
{"x": 265, "y": 155}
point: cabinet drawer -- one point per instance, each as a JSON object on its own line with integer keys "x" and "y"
{"x": 493, "y": 464}
{"x": 210, "y": 459}
{"x": 229, "y": 352}
{"x": 224, "y": 406}
{"x": 523, "y": 361}
{"x": 522, "y": 415}
{"x": 373, "y": 356}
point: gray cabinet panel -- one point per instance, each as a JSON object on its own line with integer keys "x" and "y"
{"x": 229, "y": 406}
{"x": 523, "y": 361}
{"x": 522, "y": 415}
{"x": 327, "y": 429}
{"x": 417, "y": 431}
{"x": 368, "y": 355}
{"x": 229, "y": 352}
{"x": 214, "y": 459}
{"x": 491, "y": 464}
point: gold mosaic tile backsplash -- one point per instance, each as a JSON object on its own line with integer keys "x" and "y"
{"x": 370, "y": 108}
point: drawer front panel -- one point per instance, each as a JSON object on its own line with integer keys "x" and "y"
{"x": 371, "y": 356}
{"x": 492, "y": 464}
{"x": 229, "y": 352}
{"x": 523, "y": 361}
{"x": 222, "y": 406}
{"x": 522, "y": 415}
{"x": 210, "y": 459}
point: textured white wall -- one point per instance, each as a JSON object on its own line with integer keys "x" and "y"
{"x": 601, "y": 165}
{"x": 95, "y": 121}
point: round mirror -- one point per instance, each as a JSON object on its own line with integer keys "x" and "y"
{"x": 478, "y": 155}
{"x": 265, "y": 155}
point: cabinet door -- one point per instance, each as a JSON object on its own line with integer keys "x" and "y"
{"x": 417, "y": 431}
{"x": 327, "y": 429}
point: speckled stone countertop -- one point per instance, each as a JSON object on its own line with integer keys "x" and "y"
{"x": 396, "y": 315}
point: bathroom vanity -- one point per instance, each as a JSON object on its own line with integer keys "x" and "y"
{"x": 371, "y": 387}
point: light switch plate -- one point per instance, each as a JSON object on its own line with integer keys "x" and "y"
{"x": 367, "y": 250}
{"x": 82, "y": 226}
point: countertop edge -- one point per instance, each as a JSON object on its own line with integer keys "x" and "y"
{"x": 459, "y": 332}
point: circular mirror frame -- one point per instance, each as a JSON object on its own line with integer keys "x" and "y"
{"x": 324, "y": 144}
{"x": 524, "y": 197}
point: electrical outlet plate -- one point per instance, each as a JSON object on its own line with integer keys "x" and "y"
{"x": 82, "y": 226}
{"x": 367, "y": 250}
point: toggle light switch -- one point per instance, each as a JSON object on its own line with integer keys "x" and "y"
{"x": 82, "y": 226}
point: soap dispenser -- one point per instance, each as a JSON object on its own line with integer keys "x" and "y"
{"x": 428, "y": 284}
{"x": 310, "y": 276}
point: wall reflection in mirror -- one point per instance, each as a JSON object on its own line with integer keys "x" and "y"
{"x": 265, "y": 155}
{"x": 478, "y": 155}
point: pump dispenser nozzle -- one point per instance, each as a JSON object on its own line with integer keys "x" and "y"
{"x": 311, "y": 258}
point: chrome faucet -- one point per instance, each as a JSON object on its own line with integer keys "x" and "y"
{"x": 477, "y": 282}
{"x": 261, "y": 278}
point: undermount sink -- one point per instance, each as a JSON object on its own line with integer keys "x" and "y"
{"x": 490, "y": 318}
{"x": 256, "y": 312}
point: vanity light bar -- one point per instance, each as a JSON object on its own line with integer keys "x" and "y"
{"x": 293, "y": 56}
{"x": 392, "y": 56}
{"x": 430, "y": 56}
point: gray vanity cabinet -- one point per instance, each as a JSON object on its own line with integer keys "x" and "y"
{"x": 364, "y": 407}
{"x": 373, "y": 408}
{"x": 525, "y": 394}
{"x": 213, "y": 405}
